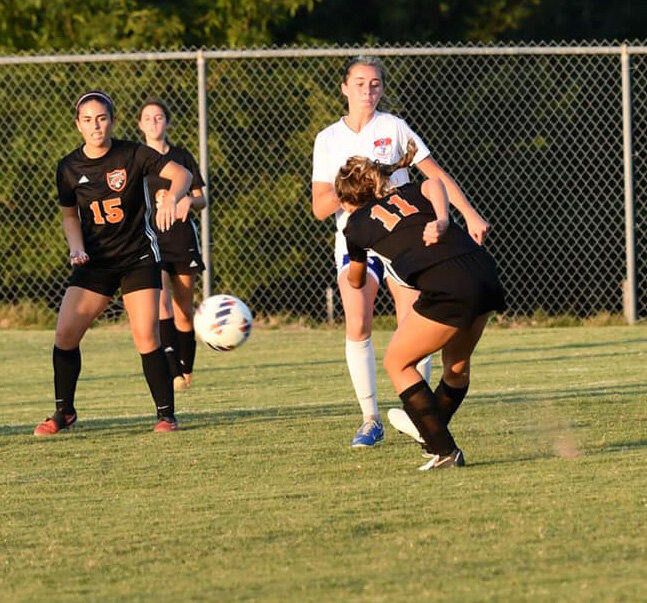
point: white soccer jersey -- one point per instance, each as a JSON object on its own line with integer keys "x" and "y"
{"x": 384, "y": 139}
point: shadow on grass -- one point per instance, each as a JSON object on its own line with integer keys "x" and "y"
{"x": 479, "y": 362}
{"x": 189, "y": 420}
{"x": 589, "y": 451}
{"x": 565, "y": 346}
{"x": 529, "y": 397}
{"x": 202, "y": 371}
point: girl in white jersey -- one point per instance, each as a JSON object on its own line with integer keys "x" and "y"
{"x": 367, "y": 132}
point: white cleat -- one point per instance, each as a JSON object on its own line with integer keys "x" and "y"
{"x": 401, "y": 421}
{"x": 455, "y": 459}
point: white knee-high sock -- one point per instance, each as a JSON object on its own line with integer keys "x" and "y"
{"x": 360, "y": 358}
{"x": 424, "y": 368}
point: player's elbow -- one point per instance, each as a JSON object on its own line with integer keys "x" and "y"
{"x": 318, "y": 211}
{"x": 356, "y": 282}
{"x": 199, "y": 203}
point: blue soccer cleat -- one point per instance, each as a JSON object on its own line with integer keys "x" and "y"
{"x": 369, "y": 434}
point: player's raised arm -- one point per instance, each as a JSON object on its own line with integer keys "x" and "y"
{"x": 476, "y": 225}
{"x": 434, "y": 190}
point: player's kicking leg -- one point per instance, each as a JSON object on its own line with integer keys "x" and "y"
{"x": 415, "y": 338}
{"x": 78, "y": 310}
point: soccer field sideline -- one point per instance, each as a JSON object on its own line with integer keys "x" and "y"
{"x": 260, "y": 498}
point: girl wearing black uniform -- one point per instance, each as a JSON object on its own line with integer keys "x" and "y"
{"x": 179, "y": 246}
{"x": 410, "y": 229}
{"x": 106, "y": 221}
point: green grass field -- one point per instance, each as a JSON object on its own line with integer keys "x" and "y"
{"x": 260, "y": 498}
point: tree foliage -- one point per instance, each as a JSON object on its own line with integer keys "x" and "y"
{"x": 135, "y": 24}
{"x": 406, "y": 20}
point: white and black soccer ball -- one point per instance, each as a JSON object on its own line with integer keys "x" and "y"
{"x": 222, "y": 322}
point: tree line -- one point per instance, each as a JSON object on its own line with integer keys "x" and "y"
{"x": 59, "y": 25}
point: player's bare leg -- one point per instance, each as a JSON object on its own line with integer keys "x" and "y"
{"x": 183, "y": 286}
{"x": 404, "y": 298}
{"x": 417, "y": 337}
{"x": 360, "y": 355}
{"x": 142, "y": 307}
{"x": 78, "y": 310}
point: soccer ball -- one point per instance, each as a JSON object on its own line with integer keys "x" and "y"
{"x": 222, "y": 322}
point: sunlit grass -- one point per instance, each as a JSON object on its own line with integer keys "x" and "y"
{"x": 260, "y": 498}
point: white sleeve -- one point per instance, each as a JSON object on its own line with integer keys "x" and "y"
{"x": 404, "y": 134}
{"x": 322, "y": 171}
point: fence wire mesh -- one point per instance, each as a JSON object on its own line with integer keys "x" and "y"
{"x": 534, "y": 140}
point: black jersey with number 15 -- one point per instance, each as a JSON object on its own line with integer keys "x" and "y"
{"x": 113, "y": 207}
{"x": 392, "y": 227}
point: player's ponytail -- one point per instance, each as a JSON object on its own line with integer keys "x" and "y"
{"x": 361, "y": 180}
{"x": 405, "y": 160}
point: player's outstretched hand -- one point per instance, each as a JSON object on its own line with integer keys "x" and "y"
{"x": 182, "y": 209}
{"x": 78, "y": 257}
{"x": 433, "y": 231}
{"x": 477, "y": 227}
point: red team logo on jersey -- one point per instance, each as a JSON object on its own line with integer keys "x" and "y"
{"x": 382, "y": 148}
{"x": 117, "y": 180}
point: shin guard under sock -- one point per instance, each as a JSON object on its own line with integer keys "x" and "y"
{"x": 421, "y": 405}
{"x": 169, "y": 339}
{"x": 159, "y": 381}
{"x": 449, "y": 399}
{"x": 186, "y": 350}
{"x": 360, "y": 358}
{"x": 67, "y": 367}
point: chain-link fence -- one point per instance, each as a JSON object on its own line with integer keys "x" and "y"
{"x": 533, "y": 135}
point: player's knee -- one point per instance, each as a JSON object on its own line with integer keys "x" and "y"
{"x": 358, "y": 330}
{"x": 166, "y": 309}
{"x": 456, "y": 373}
{"x": 145, "y": 340}
{"x": 67, "y": 337}
{"x": 392, "y": 363}
{"x": 184, "y": 316}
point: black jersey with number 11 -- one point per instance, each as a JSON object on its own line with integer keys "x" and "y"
{"x": 113, "y": 205}
{"x": 392, "y": 227}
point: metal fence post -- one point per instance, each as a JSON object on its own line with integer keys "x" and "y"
{"x": 205, "y": 222}
{"x": 629, "y": 289}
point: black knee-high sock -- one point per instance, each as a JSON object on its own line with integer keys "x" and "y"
{"x": 67, "y": 366}
{"x": 421, "y": 405}
{"x": 169, "y": 339}
{"x": 186, "y": 350}
{"x": 159, "y": 381}
{"x": 449, "y": 399}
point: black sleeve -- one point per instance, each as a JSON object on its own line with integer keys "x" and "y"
{"x": 66, "y": 195}
{"x": 150, "y": 160}
{"x": 192, "y": 166}
{"x": 356, "y": 252}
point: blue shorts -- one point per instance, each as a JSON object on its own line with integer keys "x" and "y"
{"x": 374, "y": 267}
